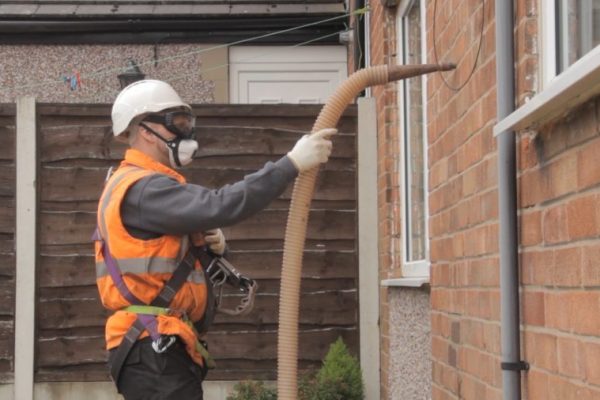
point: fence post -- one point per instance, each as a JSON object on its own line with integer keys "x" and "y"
{"x": 25, "y": 246}
{"x": 368, "y": 255}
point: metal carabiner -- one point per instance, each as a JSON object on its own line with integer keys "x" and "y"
{"x": 161, "y": 344}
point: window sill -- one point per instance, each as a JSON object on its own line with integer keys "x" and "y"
{"x": 575, "y": 86}
{"x": 406, "y": 282}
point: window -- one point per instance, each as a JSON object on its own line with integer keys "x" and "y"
{"x": 410, "y": 23}
{"x": 571, "y": 64}
{"x": 572, "y": 29}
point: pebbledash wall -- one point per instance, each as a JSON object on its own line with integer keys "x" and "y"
{"x": 559, "y": 223}
{"x": 198, "y": 72}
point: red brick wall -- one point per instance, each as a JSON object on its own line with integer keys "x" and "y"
{"x": 462, "y": 199}
{"x": 559, "y": 194}
{"x": 559, "y": 187}
{"x": 463, "y": 206}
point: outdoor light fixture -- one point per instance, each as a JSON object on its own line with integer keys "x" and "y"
{"x": 131, "y": 74}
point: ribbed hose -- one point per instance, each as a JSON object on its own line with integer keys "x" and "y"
{"x": 295, "y": 234}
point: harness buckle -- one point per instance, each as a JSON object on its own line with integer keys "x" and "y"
{"x": 161, "y": 344}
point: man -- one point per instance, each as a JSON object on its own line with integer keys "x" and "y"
{"x": 150, "y": 220}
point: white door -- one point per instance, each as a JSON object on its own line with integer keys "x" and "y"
{"x": 274, "y": 74}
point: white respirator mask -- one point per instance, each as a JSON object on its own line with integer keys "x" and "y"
{"x": 181, "y": 151}
{"x": 183, "y": 147}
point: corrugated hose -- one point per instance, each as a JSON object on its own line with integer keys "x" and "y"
{"x": 295, "y": 234}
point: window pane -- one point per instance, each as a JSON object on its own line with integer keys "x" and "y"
{"x": 579, "y": 29}
{"x": 414, "y": 184}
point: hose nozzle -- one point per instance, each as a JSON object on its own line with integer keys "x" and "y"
{"x": 397, "y": 72}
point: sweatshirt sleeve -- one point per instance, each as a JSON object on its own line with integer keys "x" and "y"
{"x": 159, "y": 205}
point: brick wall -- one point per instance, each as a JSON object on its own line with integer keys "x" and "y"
{"x": 462, "y": 203}
{"x": 465, "y": 337}
{"x": 559, "y": 193}
{"x": 559, "y": 225}
{"x": 463, "y": 209}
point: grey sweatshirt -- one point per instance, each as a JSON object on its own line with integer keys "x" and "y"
{"x": 159, "y": 205}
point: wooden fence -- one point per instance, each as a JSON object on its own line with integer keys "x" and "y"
{"x": 75, "y": 151}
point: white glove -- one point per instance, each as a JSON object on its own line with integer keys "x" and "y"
{"x": 312, "y": 150}
{"x": 215, "y": 240}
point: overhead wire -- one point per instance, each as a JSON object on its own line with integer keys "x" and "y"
{"x": 212, "y": 68}
{"x": 108, "y": 71}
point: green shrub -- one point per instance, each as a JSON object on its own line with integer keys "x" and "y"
{"x": 338, "y": 379}
{"x": 306, "y": 385}
{"x": 252, "y": 390}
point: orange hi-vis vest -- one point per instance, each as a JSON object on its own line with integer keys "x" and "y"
{"x": 145, "y": 265}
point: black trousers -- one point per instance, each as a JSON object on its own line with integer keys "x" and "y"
{"x": 171, "y": 375}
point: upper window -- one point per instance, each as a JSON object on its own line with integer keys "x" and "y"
{"x": 410, "y": 25}
{"x": 572, "y": 29}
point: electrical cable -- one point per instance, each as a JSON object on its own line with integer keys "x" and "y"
{"x": 105, "y": 71}
{"x": 435, "y": 53}
{"x": 204, "y": 70}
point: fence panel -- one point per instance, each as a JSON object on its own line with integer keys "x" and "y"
{"x": 76, "y": 151}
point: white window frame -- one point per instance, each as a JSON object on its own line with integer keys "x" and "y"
{"x": 559, "y": 93}
{"x": 415, "y": 273}
{"x": 552, "y": 31}
{"x": 549, "y": 44}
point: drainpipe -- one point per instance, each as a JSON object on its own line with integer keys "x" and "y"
{"x": 507, "y": 196}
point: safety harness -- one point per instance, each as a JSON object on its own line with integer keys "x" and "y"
{"x": 146, "y": 314}
{"x": 219, "y": 271}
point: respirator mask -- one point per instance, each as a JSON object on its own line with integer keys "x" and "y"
{"x": 181, "y": 123}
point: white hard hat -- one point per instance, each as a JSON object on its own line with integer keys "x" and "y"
{"x": 140, "y": 98}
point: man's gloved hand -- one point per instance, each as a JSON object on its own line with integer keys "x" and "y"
{"x": 215, "y": 240}
{"x": 312, "y": 150}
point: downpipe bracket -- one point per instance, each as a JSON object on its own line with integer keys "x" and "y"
{"x": 515, "y": 366}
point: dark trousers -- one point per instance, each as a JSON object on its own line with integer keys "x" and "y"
{"x": 171, "y": 375}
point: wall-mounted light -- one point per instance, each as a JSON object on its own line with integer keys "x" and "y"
{"x": 131, "y": 74}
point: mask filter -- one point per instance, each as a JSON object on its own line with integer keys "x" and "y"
{"x": 181, "y": 151}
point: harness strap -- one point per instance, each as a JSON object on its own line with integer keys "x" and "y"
{"x": 124, "y": 348}
{"x": 154, "y": 311}
{"x": 176, "y": 281}
{"x": 114, "y": 270}
{"x": 205, "y": 322}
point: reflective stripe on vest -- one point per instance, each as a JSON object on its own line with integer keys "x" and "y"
{"x": 139, "y": 266}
